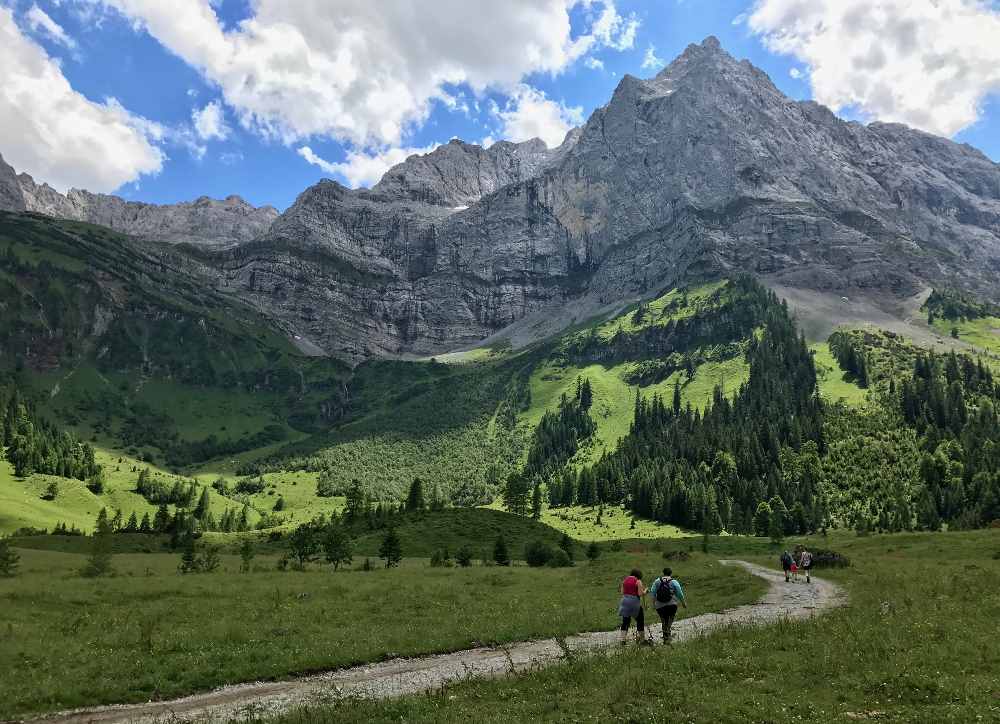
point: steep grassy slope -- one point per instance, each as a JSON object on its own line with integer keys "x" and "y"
{"x": 127, "y": 342}
{"x": 467, "y": 424}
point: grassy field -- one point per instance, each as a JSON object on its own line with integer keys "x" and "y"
{"x": 580, "y": 522}
{"x": 830, "y": 378}
{"x": 915, "y": 643}
{"x": 151, "y": 633}
{"x": 983, "y": 333}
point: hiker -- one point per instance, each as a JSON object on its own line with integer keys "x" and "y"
{"x": 667, "y": 592}
{"x": 806, "y": 561}
{"x": 786, "y": 563}
{"x": 630, "y": 607}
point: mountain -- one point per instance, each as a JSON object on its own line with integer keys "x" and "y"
{"x": 203, "y": 222}
{"x": 704, "y": 170}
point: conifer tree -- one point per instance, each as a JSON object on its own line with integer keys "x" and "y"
{"x": 201, "y": 510}
{"x": 501, "y": 556}
{"x": 536, "y": 501}
{"x": 415, "y": 499}
{"x": 99, "y": 563}
{"x": 9, "y": 559}
{"x": 593, "y": 551}
{"x": 247, "y": 554}
{"x": 391, "y": 550}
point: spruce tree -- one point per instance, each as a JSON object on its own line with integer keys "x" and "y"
{"x": 593, "y": 551}
{"x": 464, "y": 556}
{"x": 145, "y": 526}
{"x": 391, "y": 550}
{"x": 247, "y": 554}
{"x": 201, "y": 510}
{"x": 9, "y": 559}
{"x": 501, "y": 556}
{"x": 566, "y": 543}
{"x": 415, "y": 499}
{"x": 99, "y": 561}
{"x": 536, "y": 501}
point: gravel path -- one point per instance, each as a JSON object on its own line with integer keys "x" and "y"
{"x": 399, "y": 677}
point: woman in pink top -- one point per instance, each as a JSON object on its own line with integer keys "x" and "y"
{"x": 630, "y": 607}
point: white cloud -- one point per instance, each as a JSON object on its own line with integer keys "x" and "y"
{"x": 39, "y": 21}
{"x": 56, "y": 134}
{"x": 614, "y": 31}
{"x": 795, "y": 73}
{"x": 739, "y": 19}
{"x": 361, "y": 168}
{"x": 230, "y": 158}
{"x": 927, "y": 64}
{"x": 650, "y": 61}
{"x": 209, "y": 122}
{"x": 593, "y": 63}
{"x": 530, "y": 114}
{"x": 367, "y": 73}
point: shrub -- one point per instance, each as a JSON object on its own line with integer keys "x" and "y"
{"x": 464, "y": 556}
{"x": 593, "y": 551}
{"x": 538, "y": 553}
{"x": 560, "y": 559}
{"x": 9, "y": 560}
{"x": 676, "y": 555}
{"x": 829, "y": 559}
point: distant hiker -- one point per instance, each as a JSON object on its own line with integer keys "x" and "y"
{"x": 667, "y": 593}
{"x": 806, "y": 561}
{"x": 786, "y": 564}
{"x": 630, "y": 607}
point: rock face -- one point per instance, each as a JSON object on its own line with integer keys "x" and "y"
{"x": 706, "y": 168}
{"x": 204, "y": 222}
{"x": 10, "y": 192}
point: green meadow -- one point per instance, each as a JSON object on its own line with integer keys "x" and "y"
{"x": 915, "y": 642}
{"x": 149, "y": 632}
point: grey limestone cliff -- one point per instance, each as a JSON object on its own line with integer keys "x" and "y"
{"x": 707, "y": 168}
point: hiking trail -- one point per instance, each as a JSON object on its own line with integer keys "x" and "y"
{"x": 399, "y": 677}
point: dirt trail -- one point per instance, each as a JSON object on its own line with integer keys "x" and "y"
{"x": 399, "y": 677}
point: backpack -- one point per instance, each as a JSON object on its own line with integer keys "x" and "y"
{"x": 786, "y": 559}
{"x": 665, "y": 591}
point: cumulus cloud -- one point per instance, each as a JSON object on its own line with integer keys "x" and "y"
{"x": 40, "y": 22}
{"x": 209, "y": 122}
{"x": 366, "y": 73}
{"x": 56, "y": 134}
{"x": 927, "y": 64}
{"x": 795, "y": 73}
{"x": 530, "y": 114}
{"x": 650, "y": 61}
{"x": 593, "y": 63}
{"x": 363, "y": 168}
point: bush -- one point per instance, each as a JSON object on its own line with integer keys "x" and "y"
{"x": 560, "y": 559}
{"x": 538, "y": 553}
{"x": 464, "y": 556}
{"x": 676, "y": 555}
{"x": 829, "y": 559}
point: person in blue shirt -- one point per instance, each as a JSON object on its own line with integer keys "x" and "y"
{"x": 667, "y": 594}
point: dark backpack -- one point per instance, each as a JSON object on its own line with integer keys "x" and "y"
{"x": 786, "y": 560}
{"x": 664, "y": 592}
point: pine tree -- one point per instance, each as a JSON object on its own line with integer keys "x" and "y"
{"x": 132, "y": 526}
{"x": 9, "y": 559}
{"x": 536, "y": 501}
{"x": 464, "y": 556}
{"x": 145, "y": 526}
{"x": 161, "y": 523}
{"x": 593, "y": 551}
{"x": 501, "y": 556}
{"x": 566, "y": 543}
{"x": 391, "y": 550}
{"x": 99, "y": 561}
{"x": 247, "y": 554}
{"x": 415, "y": 499}
{"x": 201, "y": 510}
{"x": 189, "y": 559}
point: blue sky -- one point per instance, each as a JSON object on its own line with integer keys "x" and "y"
{"x": 164, "y": 68}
